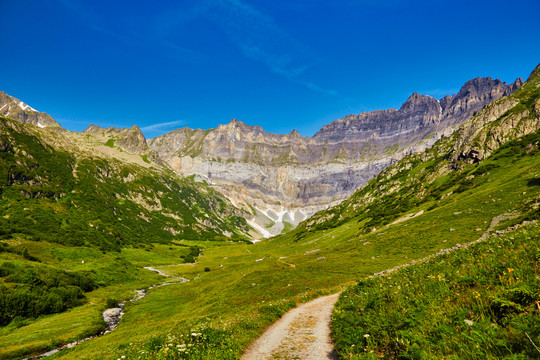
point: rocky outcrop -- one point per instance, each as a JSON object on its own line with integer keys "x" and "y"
{"x": 131, "y": 140}
{"x": 499, "y": 122}
{"x": 17, "y": 110}
{"x": 275, "y": 173}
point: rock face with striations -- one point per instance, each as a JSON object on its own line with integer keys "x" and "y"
{"x": 285, "y": 178}
{"x": 280, "y": 180}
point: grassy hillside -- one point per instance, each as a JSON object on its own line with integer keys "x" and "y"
{"x": 476, "y": 303}
{"x": 79, "y": 200}
{"x": 60, "y": 203}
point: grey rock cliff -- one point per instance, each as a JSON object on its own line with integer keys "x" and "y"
{"x": 290, "y": 172}
{"x": 280, "y": 180}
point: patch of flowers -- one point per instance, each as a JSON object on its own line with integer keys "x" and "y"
{"x": 201, "y": 342}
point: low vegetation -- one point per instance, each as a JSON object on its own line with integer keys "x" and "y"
{"x": 28, "y": 290}
{"x": 480, "y": 302}
{"x": 50, "y": 195}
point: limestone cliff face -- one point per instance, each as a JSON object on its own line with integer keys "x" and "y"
{"x": 17, "y": 110}
{"x": 420, "y": 118}
{"x": 280, "y": 180}
{"x": 271, "y": 172}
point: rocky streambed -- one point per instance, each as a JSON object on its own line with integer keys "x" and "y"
{"x": 113, "y": 316}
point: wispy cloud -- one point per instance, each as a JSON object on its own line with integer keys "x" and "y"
{"x": 163, "y": 126}
{"x": 254, "y": 33}
{"x": 258, "y": 37}
{"x": 137, "y": 36}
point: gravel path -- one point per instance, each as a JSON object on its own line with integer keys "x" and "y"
{"x": 302, "y": 333}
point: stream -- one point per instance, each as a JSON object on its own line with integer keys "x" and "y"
{"x": 113, "y": 316}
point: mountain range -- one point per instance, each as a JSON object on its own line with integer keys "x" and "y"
{"x": 281, "y": 180}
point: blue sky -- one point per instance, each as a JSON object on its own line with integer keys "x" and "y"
{"x": 283, "y": 65}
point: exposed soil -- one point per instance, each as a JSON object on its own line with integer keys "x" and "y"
{"x": 302, "y": 333}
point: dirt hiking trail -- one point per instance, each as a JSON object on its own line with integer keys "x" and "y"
{"x": 301, "y": 334}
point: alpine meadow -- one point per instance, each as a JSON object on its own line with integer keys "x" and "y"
{"x": 133, "y": 227}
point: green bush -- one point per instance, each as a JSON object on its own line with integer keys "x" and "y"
{"x": 30, "y": 291}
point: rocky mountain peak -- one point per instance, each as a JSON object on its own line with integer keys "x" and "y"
{"x": 516, "y": 84}
{"x": 92, "y": 129}
{"x": 474, "y": 95}
{"x": 132, "y": 139}
{"x": 478, "y": 86}
{"x": 417, "y": 102}
{"x": 294, "y": 134}
{"x": 17, "y": 110}
{"x": 233, "y": 124}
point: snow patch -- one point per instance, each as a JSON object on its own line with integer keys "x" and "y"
{"x": 41, "y": 125}
{"x": 232, "y": 202}
{"x": 278, "y": 216}
{"x": 26, "y": 107}
{"x": 2, "y": 108}
{"x": 259, "y": 228}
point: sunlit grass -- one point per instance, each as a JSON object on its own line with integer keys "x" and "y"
{"x": 475, "y": 303}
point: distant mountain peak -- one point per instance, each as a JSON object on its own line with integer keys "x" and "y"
{"x": 233, "y": 123}
{"x": 18, "y": 110}
{"x": 416, "y": 101}
{"x": 132, "y": 139}
{"x": 295, "y": 133}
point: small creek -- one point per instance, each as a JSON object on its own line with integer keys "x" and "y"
{"x": 113, "y": 316}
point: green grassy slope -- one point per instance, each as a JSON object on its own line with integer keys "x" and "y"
{"x": 475, "y": 303}
{"x": 420, "y": 205}
{"x": 76, "y": 229}
{"x": 58, "y": 196}
{"x": 115, "y": 276}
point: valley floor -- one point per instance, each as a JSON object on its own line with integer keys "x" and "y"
{"x": 237, "y": 290}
